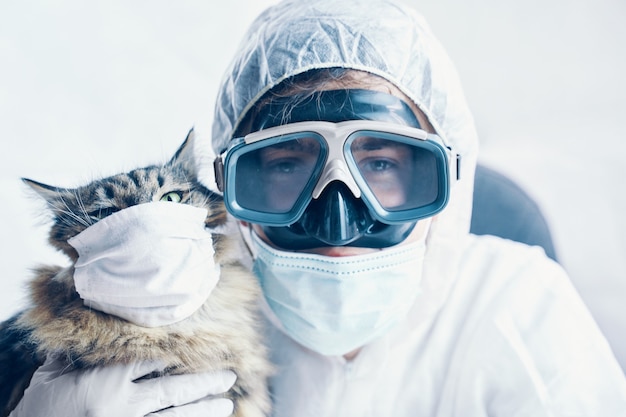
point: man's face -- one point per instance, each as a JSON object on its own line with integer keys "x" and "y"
{"x": 374, "y": 162}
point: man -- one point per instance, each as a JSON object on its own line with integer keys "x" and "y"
{"x": 347, "y": 151}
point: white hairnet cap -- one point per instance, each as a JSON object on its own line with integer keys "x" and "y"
{"x": 380, "y": 37}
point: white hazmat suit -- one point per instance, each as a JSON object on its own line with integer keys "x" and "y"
{"x": 498, "y": 329}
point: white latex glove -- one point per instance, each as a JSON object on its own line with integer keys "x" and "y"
{"x": 110, "y": 391}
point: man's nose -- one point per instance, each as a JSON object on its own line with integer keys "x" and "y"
{"x": 336, "y": 170}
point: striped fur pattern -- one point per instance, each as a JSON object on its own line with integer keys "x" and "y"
{"x": 224, "y": 333}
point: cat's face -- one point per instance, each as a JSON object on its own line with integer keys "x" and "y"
{"x": 76, "y": 209}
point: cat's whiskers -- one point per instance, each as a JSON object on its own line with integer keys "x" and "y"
{"x": 71, "y": 215}
{"x": 84, "y": 212}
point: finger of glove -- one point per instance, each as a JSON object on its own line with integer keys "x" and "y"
{"x": 175, "y": 390}
{"x": 141, "y": 369}
{"x": 56, "y": 367}
{"x": 114, "y": 388}
{"x": 210, "y": 407}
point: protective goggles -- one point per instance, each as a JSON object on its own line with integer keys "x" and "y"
{"x": 401, "y": 173}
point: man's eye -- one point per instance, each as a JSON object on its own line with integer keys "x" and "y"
{"x": 173, "y": 196}
{"x": 376, "y": 165}
{"x": 282, "y": 167}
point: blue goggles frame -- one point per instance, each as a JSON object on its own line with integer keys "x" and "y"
{"x": 334, "y": 162}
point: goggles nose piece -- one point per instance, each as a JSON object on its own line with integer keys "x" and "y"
{"x": 336, "y": 218}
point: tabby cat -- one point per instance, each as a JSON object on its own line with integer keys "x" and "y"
{"x": 224, "y": 333}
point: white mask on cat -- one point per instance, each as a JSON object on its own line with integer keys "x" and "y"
{"x": 151, "y": 264}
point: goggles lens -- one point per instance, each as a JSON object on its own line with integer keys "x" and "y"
{"x": 271, "y": 176}
{"x": 398, "y": 174}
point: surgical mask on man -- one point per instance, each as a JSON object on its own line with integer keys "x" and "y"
{"x": 334, "y": 305}
{"x": 151, "y": 264}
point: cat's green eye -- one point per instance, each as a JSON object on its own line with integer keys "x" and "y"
{"x": 174, "y": 197}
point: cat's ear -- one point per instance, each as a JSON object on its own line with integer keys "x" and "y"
{"x": 47, "y": 192}
{"x": 185, "y": 154}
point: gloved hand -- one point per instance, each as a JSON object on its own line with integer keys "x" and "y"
{"x": 114, "y": 391}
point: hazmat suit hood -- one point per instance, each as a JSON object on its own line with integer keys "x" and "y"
{"x": 381, "y": 37}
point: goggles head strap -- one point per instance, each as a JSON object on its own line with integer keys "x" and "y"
{"x": 218, "y": 170}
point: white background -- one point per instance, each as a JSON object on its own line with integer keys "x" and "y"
{"x": 92, "y": 88}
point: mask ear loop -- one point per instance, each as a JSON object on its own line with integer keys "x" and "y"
{"x": 429, "y": 227}
{"x": 245, "y": 230}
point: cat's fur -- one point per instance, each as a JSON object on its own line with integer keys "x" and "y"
{"x": 223, "y": 334}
